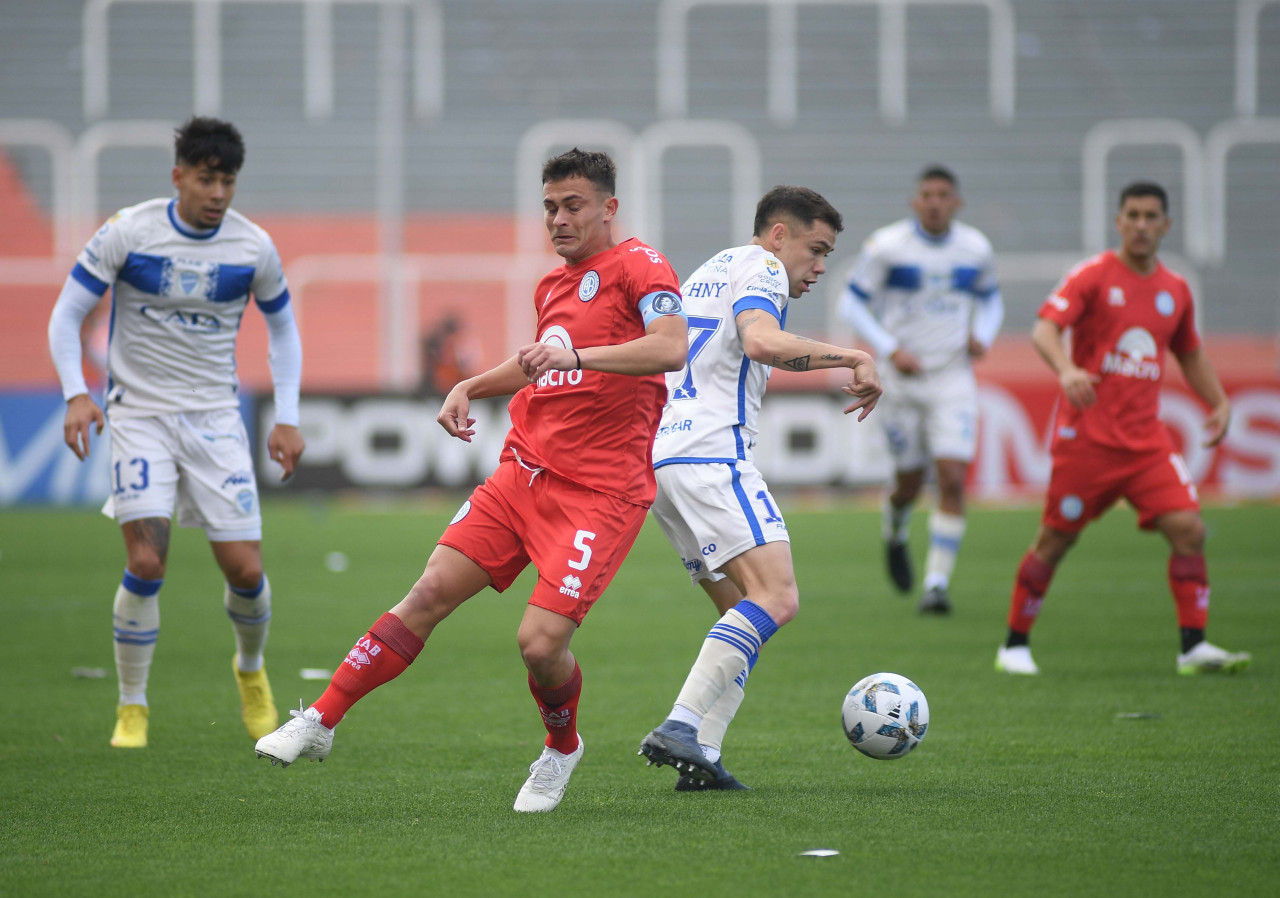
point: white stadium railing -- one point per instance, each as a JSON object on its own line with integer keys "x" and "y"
{"x": 1106, "y": 136}
{"x": 673, "y": 54}
{"x": 1247, "y": 14}
{"x": 1218, "y": 143}
{"x": 56, "y": 140}
{"x": 206, "y": 49}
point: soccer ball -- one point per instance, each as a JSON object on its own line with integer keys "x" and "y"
{"x": 885, "y": 716}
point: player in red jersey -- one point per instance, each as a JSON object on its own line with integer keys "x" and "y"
{"x": 1124, "y": 309}
{"x": 573, "y": 482}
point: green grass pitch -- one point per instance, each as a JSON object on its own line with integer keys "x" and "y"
{"x": 1033, "y": 786}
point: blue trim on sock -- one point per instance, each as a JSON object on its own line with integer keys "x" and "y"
{"x": 249, "y": 620}
{"x": 140, "y": 587}
{"x": 758, "y": 617}
{"x": 945, "y": 542}
{"x": 735, "y": 638}
{"x": 251, "y": 593}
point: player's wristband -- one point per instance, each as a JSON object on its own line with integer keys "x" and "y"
{"x": 577, "y": 358}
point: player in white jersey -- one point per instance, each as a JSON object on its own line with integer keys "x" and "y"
{"x": 181, "y": 272}
{"x": 923, "y": 294}
{"x": 712, "y": 503}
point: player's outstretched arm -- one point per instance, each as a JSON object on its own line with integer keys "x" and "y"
{"x": 664, "y": 347}
{"x": 764, "y": 341}
{"x": 503, "y": 380}
{"x": 1076, "y": 383}
{"x": 1202, "y": 378}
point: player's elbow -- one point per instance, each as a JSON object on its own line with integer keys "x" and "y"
{"x": 758, "y": 348}
{"x": 672, "y": 354}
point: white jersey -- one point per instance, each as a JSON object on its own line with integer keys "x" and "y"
{"x": 178, "y": 298}
{"x": 925, "y": 294}
{"x": 713, "y": 403}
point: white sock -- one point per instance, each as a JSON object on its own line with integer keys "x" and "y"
{"x": 895, "y": 523}
{"x": 730, "y": 648}
{"x": 250, "y": 613}
{"x": 945, "y": 534}
{"x": 136, "y": 626}
{"x": 716, "y": 721}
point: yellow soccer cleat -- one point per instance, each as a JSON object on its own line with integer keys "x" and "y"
{"x": 257, "y": 706}
{"x": 131, "y": 727}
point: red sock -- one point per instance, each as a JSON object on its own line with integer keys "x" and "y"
{"x": 378, "y": 657}
{"x": 1029, "y": 588}
{"x": 1189, "y": 581}
{"x": 559, "y": 707}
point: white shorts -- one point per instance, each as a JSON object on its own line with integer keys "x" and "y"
{"x": 929, "y": 416}
{"x": 199, "y": 460}
{"x": 714, "y": 512}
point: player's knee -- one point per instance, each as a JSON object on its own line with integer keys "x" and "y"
{"x": 540, "y": 652}
{"x": 780, "y": 604}
{"x": 244, "y": 575}
{"x": 1052, "y": 545}
{"x": 146, "y": 567}
{"x": 1188, "y": 538}
{"x": 424, "y": 597}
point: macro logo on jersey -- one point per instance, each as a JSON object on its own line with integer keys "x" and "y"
{"x": 558, "y": 336}
{"x": 1133, "y": 356}
{"x": 589, "y": 286}
{"x": 1164, "y": 303}
{"x": 570, "y": 586}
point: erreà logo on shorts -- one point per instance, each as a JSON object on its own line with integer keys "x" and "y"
{"x": 558, "y": 336}
{"x": 571, "y": 586}
{"x": 1134, "y": 356}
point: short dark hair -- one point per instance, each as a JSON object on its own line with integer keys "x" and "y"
{"x": 209, "y": 140}
{"x": 1146, "y": 188}
{"x": 799, "y": 204}
{"x": 939, "y": 173}
{"x": 596, "y": 167}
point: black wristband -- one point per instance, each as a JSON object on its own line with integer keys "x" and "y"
{"x": 576, "y": 357}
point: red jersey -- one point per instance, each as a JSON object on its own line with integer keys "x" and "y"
{"x": 1122, "y": 322}
{"x": 590, "y": 427}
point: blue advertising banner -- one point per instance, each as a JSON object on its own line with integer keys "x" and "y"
{"x": 36, "y": 465}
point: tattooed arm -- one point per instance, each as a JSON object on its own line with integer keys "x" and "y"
{"x": 764, "y": 341}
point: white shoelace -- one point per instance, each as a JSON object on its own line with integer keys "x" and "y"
{"x": 544, "y": 772}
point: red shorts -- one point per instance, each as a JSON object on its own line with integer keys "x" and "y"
{"x": 575, "y": 536}
{"x": 1087, "y": 481}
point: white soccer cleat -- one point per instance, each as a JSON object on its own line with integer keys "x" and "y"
{"x": 548, "y": 777}
{"x": 1016, "y": 660}
{"x": 1205, "y": 657}
{"x": 303, "y": 737}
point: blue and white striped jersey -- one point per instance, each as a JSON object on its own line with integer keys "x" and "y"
{"x": 713, "y": 403}
{"x": 177, "y": 300}
{"x": 924, "y": 294}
